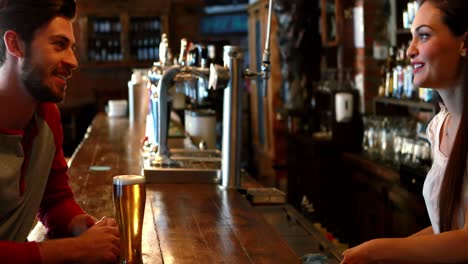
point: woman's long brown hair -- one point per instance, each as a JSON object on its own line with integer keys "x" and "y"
{"x": 450, "y": 196}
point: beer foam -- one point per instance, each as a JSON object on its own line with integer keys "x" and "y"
{"x": 128, "y": 179}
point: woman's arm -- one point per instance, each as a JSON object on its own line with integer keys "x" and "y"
{"x": 447, "y": 247}
{"x": 426, "y": 231}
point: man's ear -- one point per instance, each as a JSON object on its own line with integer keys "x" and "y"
{"x": 464, "y": 45}
{"x": 13, "y": 43}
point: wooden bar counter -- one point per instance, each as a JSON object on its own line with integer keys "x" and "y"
{"x": 184, "y": 223}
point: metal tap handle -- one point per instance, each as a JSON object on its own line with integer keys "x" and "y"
{"x": 266, "y": 52}
{"x": 219, "y": 77}
{"x": 183, "y": 52}
{"x": 267, "y": 39}
{"x": 248, "y": 74}
{"x": 164, "y": 50}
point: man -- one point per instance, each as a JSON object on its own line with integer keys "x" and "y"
{"x": 36, "y": 59}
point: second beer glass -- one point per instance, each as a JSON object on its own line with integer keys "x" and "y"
{"x": 129, "y": 201}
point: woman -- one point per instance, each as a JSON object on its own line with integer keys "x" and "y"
{"x": 438, "y": 54}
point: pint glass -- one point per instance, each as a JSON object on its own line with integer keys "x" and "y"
{"x": 129, "y": 201}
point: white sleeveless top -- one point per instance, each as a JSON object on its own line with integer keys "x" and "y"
{"x": 435, "y": 175}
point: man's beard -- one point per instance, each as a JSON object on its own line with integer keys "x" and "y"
{"x": 32, "y": 77}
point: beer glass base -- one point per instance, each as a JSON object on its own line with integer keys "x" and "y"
{"x": 131, "y": 262}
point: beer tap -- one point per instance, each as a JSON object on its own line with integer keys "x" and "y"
{"x": 266, "y": 63}
{"x": 170, "y": 75}
{"x": 230, "y": 78}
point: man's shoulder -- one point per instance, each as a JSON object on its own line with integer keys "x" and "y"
{"x": 49, "y": 111}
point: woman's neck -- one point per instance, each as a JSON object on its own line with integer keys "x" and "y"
{"x": 453, "y": 100}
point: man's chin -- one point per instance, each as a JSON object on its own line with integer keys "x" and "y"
{"x": 57, "y": 97}
{"x": 51, "y": 98}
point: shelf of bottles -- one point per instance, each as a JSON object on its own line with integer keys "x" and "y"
{"x": 397, "y": 80}
{"x": 144, "y": 37}
{"x": 416, "y": 104}
{"x": 406, "y": 11}
{"x": 104, "y": 42}
{"x": 409, "y": 13}
{"x": 396, "y": 141}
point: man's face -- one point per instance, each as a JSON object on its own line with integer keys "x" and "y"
{"x": 49, "y": 61}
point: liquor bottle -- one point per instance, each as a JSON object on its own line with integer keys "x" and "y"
{"x": 410, "y": 92}
{"x": 204, "y": 57}
{"x": 389, "y": 65}
{"x": 426, "y": 94}
{"x": 398, "y": 76}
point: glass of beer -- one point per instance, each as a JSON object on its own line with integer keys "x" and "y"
{"x": 129, "y": 202}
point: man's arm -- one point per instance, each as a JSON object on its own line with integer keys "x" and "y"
{"x": 14, "y": 252}
{"x": 64, "y": 217}
{"x": 99, "y": 244}
{"x": 58, "y": 206}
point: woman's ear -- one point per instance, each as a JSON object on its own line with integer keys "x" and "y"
{"x": 13, "y": 43}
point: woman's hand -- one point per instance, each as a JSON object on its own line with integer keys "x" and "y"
{"x": 361, "y": 254}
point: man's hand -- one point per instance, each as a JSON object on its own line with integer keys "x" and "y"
{"x": 80, "y": 223}
{"x": 98, "y": 244}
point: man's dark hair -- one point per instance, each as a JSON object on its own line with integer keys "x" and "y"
{"x": 26, "y": 16}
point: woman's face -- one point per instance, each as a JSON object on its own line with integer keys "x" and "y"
{"x": 434, "y": 51}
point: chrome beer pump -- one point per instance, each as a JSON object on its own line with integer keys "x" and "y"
{"x": 228, "y": 77}
{"x": 164, "y": 76}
